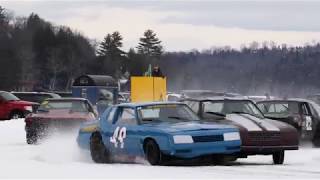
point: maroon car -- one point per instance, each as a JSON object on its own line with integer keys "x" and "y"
{"x": 62, "y": 114}
{"x": 259, "y": 136}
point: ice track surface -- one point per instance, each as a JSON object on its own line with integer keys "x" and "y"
{"x": 59, "y": 157}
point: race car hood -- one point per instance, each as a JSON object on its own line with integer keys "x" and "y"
{"x": 64, "y": 114}
{"x": 253, "y": 123}
{"x": 187, "y": 126}
{"x": 256, "y": 131}
{"x": 26, "y": 103}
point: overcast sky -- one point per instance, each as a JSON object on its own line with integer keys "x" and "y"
{"x": 184, "y": 25}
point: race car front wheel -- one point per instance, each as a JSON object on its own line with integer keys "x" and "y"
{"x": 152, "y": 152}
{"x": 278, "y": 157}
{"x": 32, "y": 137}
{"x": 16, "y": 115}
{"x": 99, "y": 152}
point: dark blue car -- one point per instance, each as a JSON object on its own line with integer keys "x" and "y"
{"x": 156, "y": 131}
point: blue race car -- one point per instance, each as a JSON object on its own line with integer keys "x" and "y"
{"x": 157, "y": 132}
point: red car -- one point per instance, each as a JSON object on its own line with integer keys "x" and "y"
{"x": 63, "y": 114}
{"x": 12, "y": 107}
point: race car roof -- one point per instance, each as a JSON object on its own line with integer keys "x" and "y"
{"x": 286, "y": 100}
{"x": 218, "y": 98}
{"x": 66, "y": 99}
{"x": 147, "y": 104}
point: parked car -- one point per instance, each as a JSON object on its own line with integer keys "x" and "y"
{"x": 11, "y": 107}
{"x": 63, "y": 94}
{"x": 63, "y": 114}
{"x": 259, "y": 135}
{"x": 173, "y": 96}
{"x": 206, "y": 93}
{"x": 260, "y": 98}
{"x": 315, "y": 98}
{"x": 158, "y": 132}
{"x": 302, "y": 114}
{"x": 37, "y": 97}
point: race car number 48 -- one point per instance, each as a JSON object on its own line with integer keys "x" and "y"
{"x": 118, "y": 136}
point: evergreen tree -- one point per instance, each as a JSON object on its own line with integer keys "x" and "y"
{"x": 112, "y": 56}
{"x": 137, "y": 64}
{"x": 110, "y": 46}
{"x": 4, "y": 21}
{"x": 150, "y": 46}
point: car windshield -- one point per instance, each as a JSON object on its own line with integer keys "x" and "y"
{"x": 278, "y": 108}
{"x": 201, "y": 93}
{"x": 231, "y": 106}
{"x": 75, "y": 106}
{"x": 171, "y": 113}
{"x": 8, "y": 96}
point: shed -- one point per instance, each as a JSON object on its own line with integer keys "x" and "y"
{"x": 95, "y": 80}
{"x": 100, "y": 90}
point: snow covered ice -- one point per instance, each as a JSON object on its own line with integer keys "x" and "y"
{"x": 59, "y": 157}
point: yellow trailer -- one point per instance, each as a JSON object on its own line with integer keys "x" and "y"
{"x": 147, "y": 89}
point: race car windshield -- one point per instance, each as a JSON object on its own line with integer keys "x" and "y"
{"x": 279, "y": 109}
{"x": 171, "y": 113}
{"x": 231, "y": 107}
{"x": 74, "y": 106}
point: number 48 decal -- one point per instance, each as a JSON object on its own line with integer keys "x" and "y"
{"x": 118, "y": 136}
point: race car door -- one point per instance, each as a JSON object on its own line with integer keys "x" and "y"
{"x": 125, "y": 138}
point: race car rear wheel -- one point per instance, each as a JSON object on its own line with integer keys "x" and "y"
{"x": 278, "y": 157}
{"x": 99, "y": 152}
{"x": 316, "y": 137}
{"x": 316, "y": 142}
{"x": 152, "y": 152}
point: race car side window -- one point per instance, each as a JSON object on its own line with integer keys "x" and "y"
{"x": 127, "y": 117}
{"x": 111, "y": 115}
{"x": 213, "y": 106}
{"x": 262, "y": 107}
{"x": 305, "y": 110}
{"x": 194, "y": 105}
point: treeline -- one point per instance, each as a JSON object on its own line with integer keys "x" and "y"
{"x": 254, "y": 70}
{"x": 35, "y": 54}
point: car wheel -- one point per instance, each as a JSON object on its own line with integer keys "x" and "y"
{"x": 98, "y": 151}
{"x": 16, "y": 115}
{"x": 152, "y": 153}
{"x": 278, "y": 157}
{"x": 222, "y": 159}
{"x": 32, "y": 137}
{"x": 316, "y": 137}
